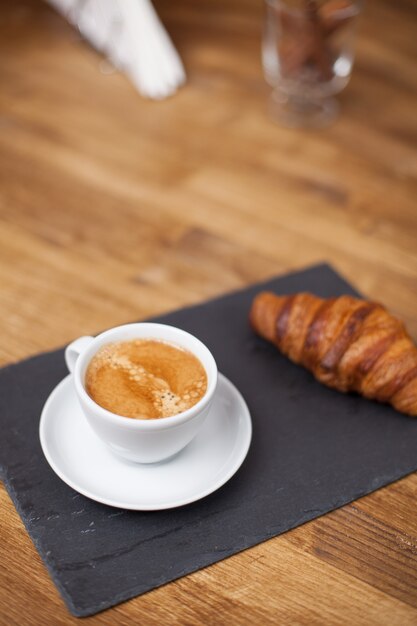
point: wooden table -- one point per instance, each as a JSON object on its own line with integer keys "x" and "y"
{"x": 113, "y": 208}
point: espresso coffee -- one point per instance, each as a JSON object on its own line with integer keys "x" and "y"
{"x": 145, "y": 379}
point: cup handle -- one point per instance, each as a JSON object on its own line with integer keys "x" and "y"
{"x": 73, "y": 351}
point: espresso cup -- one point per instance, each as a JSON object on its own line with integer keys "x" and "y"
{"x": 151, "y": 440}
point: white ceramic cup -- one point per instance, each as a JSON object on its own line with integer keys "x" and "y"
{"x": 143, "y": 441}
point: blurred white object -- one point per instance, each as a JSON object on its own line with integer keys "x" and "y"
{"x": 131, "y": 35}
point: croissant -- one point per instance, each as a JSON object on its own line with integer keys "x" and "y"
{"x": 347, "y": 343}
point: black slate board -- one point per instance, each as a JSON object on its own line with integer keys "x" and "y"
{"x": 313, "y": 450}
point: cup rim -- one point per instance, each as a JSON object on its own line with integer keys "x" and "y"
{"x": 148, "y": 424}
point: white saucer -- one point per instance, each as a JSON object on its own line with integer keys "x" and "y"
{"x": 85, "y": 463}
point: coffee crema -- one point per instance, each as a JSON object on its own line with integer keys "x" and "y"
{"x": 145, "y": 378}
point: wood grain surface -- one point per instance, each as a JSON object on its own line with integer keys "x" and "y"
{"x": 113, "y": 208}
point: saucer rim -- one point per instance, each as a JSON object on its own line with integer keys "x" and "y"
{"x": 224, "y": 478}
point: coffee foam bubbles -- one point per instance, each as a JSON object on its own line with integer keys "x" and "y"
{"x": 151, "y": 379}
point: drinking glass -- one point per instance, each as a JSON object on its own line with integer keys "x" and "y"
{"x": 307, "y": 55}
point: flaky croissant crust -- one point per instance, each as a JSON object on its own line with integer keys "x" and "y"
{"x": 347, "y": 343}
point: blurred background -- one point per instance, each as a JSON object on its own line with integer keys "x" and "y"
{"x": 114, "y": 207}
